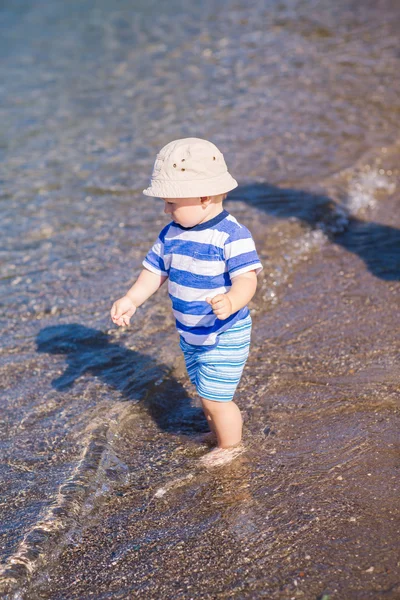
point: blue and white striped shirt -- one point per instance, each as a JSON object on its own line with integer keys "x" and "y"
{"x": 200, "y": 262}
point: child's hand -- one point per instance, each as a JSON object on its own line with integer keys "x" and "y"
{"x": 122, "y": 310}
{"x": 221, "y": 306}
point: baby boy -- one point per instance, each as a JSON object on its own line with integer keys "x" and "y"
{"x": 211, "y": 265}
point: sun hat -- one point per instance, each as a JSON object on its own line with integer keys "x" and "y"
{"x": 189, "y": 168}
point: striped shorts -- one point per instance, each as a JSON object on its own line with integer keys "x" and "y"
{"x": 217, "y": 372}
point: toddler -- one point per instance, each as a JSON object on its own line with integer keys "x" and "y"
{"x": 211, "y": 265}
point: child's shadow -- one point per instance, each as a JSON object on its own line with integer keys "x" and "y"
{"x": 376, "y": 244}
{"x": 137, "y": 377}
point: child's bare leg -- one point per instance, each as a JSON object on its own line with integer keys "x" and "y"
{"x": 225, "y": 421}
{"x": 209, "y": 438}
{"x": 209, "y": 420}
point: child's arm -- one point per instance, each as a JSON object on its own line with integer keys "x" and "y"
{"x": 145, "y": 286}
{"x": 242, "y": 290}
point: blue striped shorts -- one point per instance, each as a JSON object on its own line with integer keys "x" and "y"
{"x": 217, "y": 372}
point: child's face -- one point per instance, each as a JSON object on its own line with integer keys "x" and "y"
{"x": 187, "y": 212}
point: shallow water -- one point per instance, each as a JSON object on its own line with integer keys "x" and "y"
{"x": 102, "y": 493}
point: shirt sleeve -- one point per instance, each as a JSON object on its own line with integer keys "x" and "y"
{"x": 154, "y": 260}
{"x": 241, "y": 254}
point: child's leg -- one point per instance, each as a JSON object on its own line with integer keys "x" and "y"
{"x": 212, "y": 435}
{"x": 225, "y": 420}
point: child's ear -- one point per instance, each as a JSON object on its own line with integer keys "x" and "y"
{"x": 205, "y": 200}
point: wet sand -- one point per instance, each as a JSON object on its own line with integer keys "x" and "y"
{"x": 103, "y": 493}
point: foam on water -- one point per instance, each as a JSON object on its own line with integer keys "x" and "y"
{"x": 363, "y": 188}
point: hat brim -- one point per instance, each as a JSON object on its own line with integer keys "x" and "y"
{"x": 163, "y": 188}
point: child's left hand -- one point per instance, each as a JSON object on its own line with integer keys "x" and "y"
{"x": 221, "y": 306}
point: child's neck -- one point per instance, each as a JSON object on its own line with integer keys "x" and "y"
{"x": 216, "y": 210}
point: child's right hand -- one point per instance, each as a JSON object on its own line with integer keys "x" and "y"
{"x": 122, "y": 310}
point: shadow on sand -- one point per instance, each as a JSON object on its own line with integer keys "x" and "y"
{"x": 136, "y": 376}
{"x": 377, "y": 245}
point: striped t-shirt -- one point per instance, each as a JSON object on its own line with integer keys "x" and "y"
{"x": 200, "y": 262}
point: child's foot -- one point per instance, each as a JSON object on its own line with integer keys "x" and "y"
{"x": 210, "y": 439}
{"x": 221, "y": 456}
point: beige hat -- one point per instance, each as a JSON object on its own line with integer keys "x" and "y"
{"x": 190, "y": 168}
